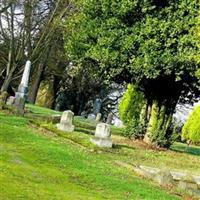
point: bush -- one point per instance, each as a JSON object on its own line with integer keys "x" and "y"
{"x": 191, "y": 129}
{"x": 129, "y": 110}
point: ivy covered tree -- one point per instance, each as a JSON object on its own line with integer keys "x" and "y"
{"x": 150, "y": 43}
{"x": 191, "y": 129}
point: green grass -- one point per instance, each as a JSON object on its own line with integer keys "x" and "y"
{"x": 168, "y": 159}
{"x": 37, "y": 110}
{"x": 183, "y": 148}
{"x": 180, "y": 157}
{"x": 87, "y": 126}
{"x": 37, "y": 165}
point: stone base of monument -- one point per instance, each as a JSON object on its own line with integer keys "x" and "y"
{"x": 22, "y": 92}
{"x": 65, "y": 127}
{"x": 19, "y": 105}
{"x": 102, "y": 142}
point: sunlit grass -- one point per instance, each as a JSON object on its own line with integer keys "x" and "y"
{"x": 38, "y": 166}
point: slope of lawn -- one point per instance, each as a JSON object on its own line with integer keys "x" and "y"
{"x": 82, "y": 124}
{"x": 41, "y": 110}
{"x": 180, "y": 157}
{"x": 35, "y": 165}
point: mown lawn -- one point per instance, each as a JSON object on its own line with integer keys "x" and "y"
{"x": 35, "y": 165}
{"x": 179, "y": 157}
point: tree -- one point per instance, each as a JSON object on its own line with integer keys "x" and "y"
{"x": 29, "y": 26}
{"x": 191, "y": 129}
{"x": 79, "y": 88}
{"x": 148, "y": 43}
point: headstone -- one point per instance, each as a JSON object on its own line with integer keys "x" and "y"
{"x": 19, "y": 105}
{"x": 109, "y": 118}
{"x": 91, "y": 117}
{"x": 84, "y": 114}
{"x": 102, "y": 136}
{"x": 98, "y": 117}
{"x": 10, "y": 101}
{"x": 119, "y": 123}
{"x": 23, "y": 87}
{"x": 97, "y": 106}
{"x": 66, "y": 121}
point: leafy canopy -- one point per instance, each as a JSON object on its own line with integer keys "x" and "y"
{"x": 136, "y": 39}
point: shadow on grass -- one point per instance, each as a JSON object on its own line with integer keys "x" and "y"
{"x": 86, "y": 131}
{"x": 183, "y": 148}
{"x": 120, "y": 146}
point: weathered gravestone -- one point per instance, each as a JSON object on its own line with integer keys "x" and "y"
{"x": 91, "y": 117}
{"x": 97, "y": 106}
{"x": 109, "y": 118}
{"x": 98, "y": 117}
{"x": 66, "y": 121}
{"x": 102, "y": 136}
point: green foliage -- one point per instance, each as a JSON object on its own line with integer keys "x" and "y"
{"x": 143, "y": 38}
{"x": 148, "y": 43}
{"x": 134, "y": 130}
{"x": 129, "y": 110}
{"x": 131, "y": 104}
{"x": 191, "y": 129}
{"x": 164, "y": 138}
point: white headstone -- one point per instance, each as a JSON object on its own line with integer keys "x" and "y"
{"x": 102, "y": 135}
{"x": 66, "y": 121}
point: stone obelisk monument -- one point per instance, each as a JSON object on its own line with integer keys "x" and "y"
{"x": 22, "y": 92}
{"x": 23, "y": 87}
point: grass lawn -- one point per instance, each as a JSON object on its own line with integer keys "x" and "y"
{"x": 180, "y": 157}
{"x": 40, "y": 164}
{"x": 35, "y": 166}
{"x": 41, "y": 110}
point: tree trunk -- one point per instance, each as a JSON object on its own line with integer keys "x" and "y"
{"x": 143, "y": 115}
{"x": 36, "y": 83}
{"x": 158, "y": 125}
{"x": 10, "y": 65}
{"x": 28, "y": 25}
{"x": 7, "y": 80}
{"x": 11, "y": 48}
{"x": 153, "y": 121}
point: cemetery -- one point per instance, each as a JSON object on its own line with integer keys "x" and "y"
{"x": 99, "y": 100}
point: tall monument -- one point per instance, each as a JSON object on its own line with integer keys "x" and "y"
{"x": 23, "y": 87}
